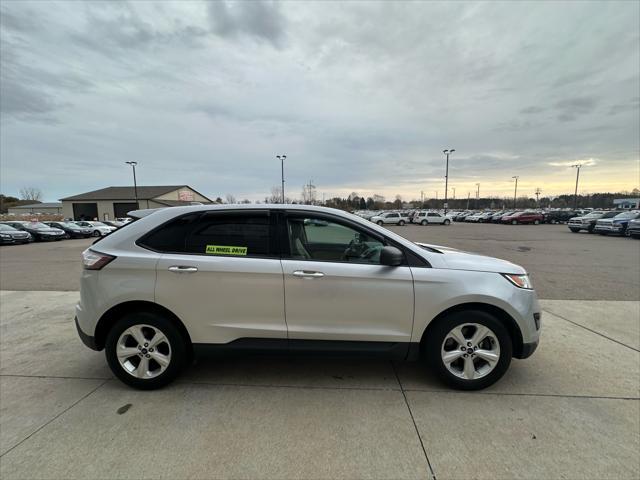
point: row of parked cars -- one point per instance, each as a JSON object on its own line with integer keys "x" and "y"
{"x": 402, "y": 217}
{"x": 18, "y": 231}
{"x": 612, "y": 222}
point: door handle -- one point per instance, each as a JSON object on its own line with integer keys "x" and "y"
{"x": 308, "y": 274}
{"x": 182, "y": 269}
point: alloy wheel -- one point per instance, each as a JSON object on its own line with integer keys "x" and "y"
{"x": 470, "y": 351}
{"x": 143, "y": 351}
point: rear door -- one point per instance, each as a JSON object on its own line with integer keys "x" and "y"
{"x": 220, "y": 274}
{"x": 335, "y": 287}
{"x": 433, "y": 217}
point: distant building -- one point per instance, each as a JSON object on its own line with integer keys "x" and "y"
{"x": 627, "y": 203}
{"x": 52, "y": 208}
{"x": 115, "y": 202}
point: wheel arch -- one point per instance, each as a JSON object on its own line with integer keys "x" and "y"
{"x": 108, "y": 319}
{"x": 507, "y": 320}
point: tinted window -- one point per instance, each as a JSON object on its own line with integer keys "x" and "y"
{"x": 225, "y": 234}
{"x": 230, "y": 234}
{"x": 433, "y": 215}
{"x": 322, "y": 240}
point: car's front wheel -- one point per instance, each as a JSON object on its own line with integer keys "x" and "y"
{"x": 514, "y": 222}
{"x": 401, "y": 223}
{"x": 380, "y": 222}
{"x": 423, "y": 223}
{"x": 447, "y": 221}
{"x": 95, "y": 233}
{"x": 575, "y": 230}
{"x": 145, "y": 350}
{"x": 469, "y": 350}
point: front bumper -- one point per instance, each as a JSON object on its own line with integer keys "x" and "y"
{"x": 88, "y": 340}
{"x": 609, "y": 228}
{"x": 528, "y": 349}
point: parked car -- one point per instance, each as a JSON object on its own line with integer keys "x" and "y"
{"x": 182, "y": 267}
{"x": 38, "y": 230}
{"x": 394, "y": 218}
{"x": 71, "y": 229}
{"x": 425, "y": 218}
{"x": 113, "y": 223}
{"x": 633, "y": 228}
{"x": 462, "y": 215}
{"x": 10, "y": 235}
{"x": 616, "y": 225}
{"x": 559, "y": 216}
{"x": 497, "y": 217}
{"x": 97, "y": 228}
{"x": 588, "y": 222}
{"x": 523, "y": 217}
{"x": 479, "y": 217}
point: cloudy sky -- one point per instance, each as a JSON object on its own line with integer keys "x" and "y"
{"x": 360, "y": 96}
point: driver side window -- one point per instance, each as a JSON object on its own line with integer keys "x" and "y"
{"x": 318, "y": 239}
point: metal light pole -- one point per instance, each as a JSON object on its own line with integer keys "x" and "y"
{"x": 575, "y": 195}
{"x": 282, "y": 158}
{"x": 515, "y": 193}
{"x": 477, "y": 195}
{"x": 446, "y": 178}
{"x": 135, "y": 184}
{"x": 454, "y": 192}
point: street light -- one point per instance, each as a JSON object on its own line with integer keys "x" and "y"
{"x": 454, "y": 192}
{"x": 446, "y": 178}
{"x": 477, "y": 194}
{"x": 575, "y": 202}
{"x": 135, "y": 185}
{"x": 282, "y": 158}
{"x": 515, "y": 193}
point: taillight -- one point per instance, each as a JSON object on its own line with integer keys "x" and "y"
{"x": 92, "y": 260}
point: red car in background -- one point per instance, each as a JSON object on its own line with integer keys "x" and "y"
{"x": 523, "y": 217}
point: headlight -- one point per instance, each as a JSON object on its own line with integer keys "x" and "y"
{"x": 520, "y": 281}
{"x": 4, "y": 235}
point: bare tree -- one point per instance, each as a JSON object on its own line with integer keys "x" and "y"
{"x": 31, "y": 193}
{"x": 230, "y": 198}
{"x": 276, "y": 196}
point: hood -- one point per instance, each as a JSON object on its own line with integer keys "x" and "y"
{"x": 459, "y": 260}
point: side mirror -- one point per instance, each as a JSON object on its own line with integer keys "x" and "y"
{"x": 391, "y": 256}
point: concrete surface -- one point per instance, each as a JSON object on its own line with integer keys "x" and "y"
{"x": 563, "y": 265}
{"x": 570, "y": 411}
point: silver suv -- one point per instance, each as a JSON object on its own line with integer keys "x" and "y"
{"x": 181, "y": 281}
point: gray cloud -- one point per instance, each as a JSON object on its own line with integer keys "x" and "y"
{"x": 260, "y": 19}
{"x": 359, "y": 95}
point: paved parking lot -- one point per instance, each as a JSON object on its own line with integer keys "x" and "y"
{"x": 564, "y": 265}
{"x": 570, "y": 411}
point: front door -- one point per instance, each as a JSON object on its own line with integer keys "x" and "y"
{"x": 335, "y": 287}
{"x": 220, "y": 275}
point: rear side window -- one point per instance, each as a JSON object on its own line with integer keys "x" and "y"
{"x": 221, "y": 234}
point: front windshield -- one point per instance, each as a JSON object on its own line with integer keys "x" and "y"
{"x": 7, "y": 227}
{"x": 593, "y": 214}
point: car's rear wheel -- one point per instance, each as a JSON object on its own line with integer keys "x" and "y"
{"x": 447, "y": 221}
{"x": 95, "y": 233}
{"x": 401, "y": 223}
{"x": 423, "y": 223}
{"x": 145, "y": 350}
{"x": 469, "y": 350}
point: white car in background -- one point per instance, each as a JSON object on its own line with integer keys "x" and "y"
{"x": 98, "y": 229}
{"x": 393, "y": 218}
{"x": 425, "y": 218}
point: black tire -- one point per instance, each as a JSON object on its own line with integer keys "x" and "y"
{"x": 401, "y": 223}
{"x": 433, "y": 343}
{"x": 635, "y": 235}
{"x": 447, "y": 222}
{"x": 575, "y": 230}
{"x": 178, "y": 344}
{"x": 423, "y": 223}
{"x": 95, "y": 233}
{"x": 602, "y": 233}
{"x": 553, "y": 221}
{"x": 590, "y": 229}
{"x": 380, "y": 222}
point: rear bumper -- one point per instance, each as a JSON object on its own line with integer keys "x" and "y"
{"x": 88, "y": 340}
